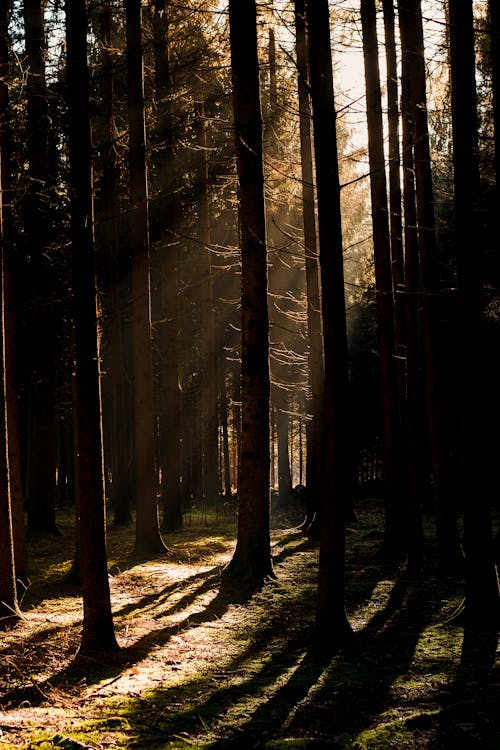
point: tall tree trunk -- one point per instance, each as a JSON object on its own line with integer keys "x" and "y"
{"x": 169, "y": 428}
{"x": 208, "y": 362}
{"x": 251, "y": 561}
{"x": 414, "y": 405}
{"x": 120, "y": 461}
{"x": 9, "y": 608}
{"x": 10, "y": 313}
{"x": 315, "y": 350}
{"x": 482, "y": 601}
{"x": 98, "y": 631}
{"x": 41, "y": 318}
{"x": 448, "y": 544}
{"x": 331, "y": 620}
{"x": 391, "y": 462}
{"x": 147, "y": 539}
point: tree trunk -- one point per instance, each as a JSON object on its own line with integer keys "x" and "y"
{"x": 98, "y": 632}
{"x": 251, "y": 561}
{"x": 448, "y": 543}
{"x": 9, "y": 608}
{"x": 482, "y": 602}
{"x": 147, "y": 538}
{"x": 391, "y": 462}
{"x": 10, "y": 315}
{"x": 208, "y": 362}
{"x": 41, "y": 357}
{"x": 315, "y": 350}
{"x": 414, "y": 405}
{"x": 331, "y": 620}
{"x": 169, "y": 428}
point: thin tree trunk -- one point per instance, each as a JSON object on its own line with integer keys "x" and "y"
{"x": 331, "y": 620}
{"x": 9, "y": 608}
{"x": 120, "y": 463}
{"x": 169, "y": 437}
{"x": 482, "y": 600}
{"x": 41, "y": 354}
{"x": 147, "y": 538}
{"x": 448, "y": 543}
{"x": 10, "y": 314}
{"x": 98, "y": 631}
{"x": 208, "y": 363}
{"x": 314, "y": 333}
{"x": 251, "y": 561}
{"x": 414, "y": 408}
{"x": 391, "y": 462}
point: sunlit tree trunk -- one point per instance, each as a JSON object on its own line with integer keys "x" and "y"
{"x": 169, "y": 428}
{"x": 391, "y": 463}
{"x": 148, "y": 539}
{"x": 251, "y": 561}
{"x": 331, "y": 620}
{"x": 98, "y": 631}
{"x": 315, "y": 350}
{"x": 42, "y": 321}
{"x": 9, "y": 608}
{"x": 482, "y": 602}
{"x": 448, "y": 544}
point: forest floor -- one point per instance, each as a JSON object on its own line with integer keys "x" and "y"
{"x": 201, "y": 667}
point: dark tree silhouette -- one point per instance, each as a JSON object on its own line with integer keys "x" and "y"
{"x": 252, "y": 558}
{"x": 41, "y": 318}
{"x": 394, "y": 545}
{"x": 331, "y": 620}
{"x": 148, "y": 538}
{"x": 315, "y": 350}
{"x": 9, "y": 609}
{"x": 98, "y": 631}
{"x": 482, "y": 601}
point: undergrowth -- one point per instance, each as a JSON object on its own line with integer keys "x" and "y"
{"x": 204, "y": 666}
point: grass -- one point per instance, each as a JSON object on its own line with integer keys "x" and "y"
{"x": 202, "y": 666}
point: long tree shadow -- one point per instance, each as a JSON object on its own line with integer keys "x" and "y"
{"x": 355, "y": 685}
{"x": 470, "y": 716}
{"x": 110, "y": 666}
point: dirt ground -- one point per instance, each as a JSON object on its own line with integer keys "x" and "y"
{"x": 201, "y": 666}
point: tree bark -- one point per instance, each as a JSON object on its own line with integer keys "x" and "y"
{"x": 147, "y": 536}
{"x": 98, "y": 631}
{"x": 9, "y": 608}
{"x": 448, "y": 543}
{"x": 315, "y": 350}
{"x": 331, "y": 621}
{"x": 121, "y": 489}
{"x": 391, "y": 461}
{"x": 482, "y": 600}
{"x": 41, "y": 319}
{"x": 169, "y": 428}
{"x": 251, "y": 561}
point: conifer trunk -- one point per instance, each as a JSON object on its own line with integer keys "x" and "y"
{"x": 482, "y": 601}
{"x": 251, "y": 561}
{"x": 331, "y": 621}
{"x": 147, "y": 538}
{"x": 98, "y": 631}
{"x": 9, "y": 608}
